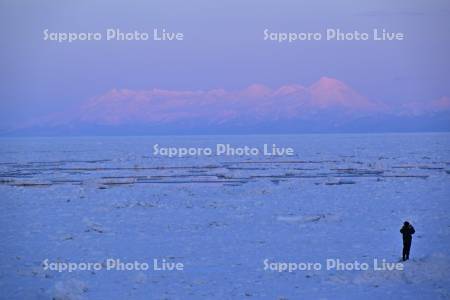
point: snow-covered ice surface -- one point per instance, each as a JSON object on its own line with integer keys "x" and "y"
{"x": 341, "y": 196}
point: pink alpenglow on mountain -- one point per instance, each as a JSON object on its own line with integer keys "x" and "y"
{"x": 327, "y": 103}
{"x": 255, "y": 103}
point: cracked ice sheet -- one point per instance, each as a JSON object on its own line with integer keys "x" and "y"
{"x": 281, "y": 211}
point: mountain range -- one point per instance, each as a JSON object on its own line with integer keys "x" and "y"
{"x": 328, "y": 105}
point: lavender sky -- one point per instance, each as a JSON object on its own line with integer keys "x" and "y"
{"x": 223, "y": 48}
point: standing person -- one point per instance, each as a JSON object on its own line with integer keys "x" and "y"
{"x": 407, "y": 231}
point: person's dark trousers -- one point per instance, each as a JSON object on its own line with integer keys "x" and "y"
{"x": 406, "y": 248}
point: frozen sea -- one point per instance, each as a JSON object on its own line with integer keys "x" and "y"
{"x": 340, "y": 197}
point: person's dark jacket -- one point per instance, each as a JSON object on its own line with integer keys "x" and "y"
{"x": 407, "y": 231}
